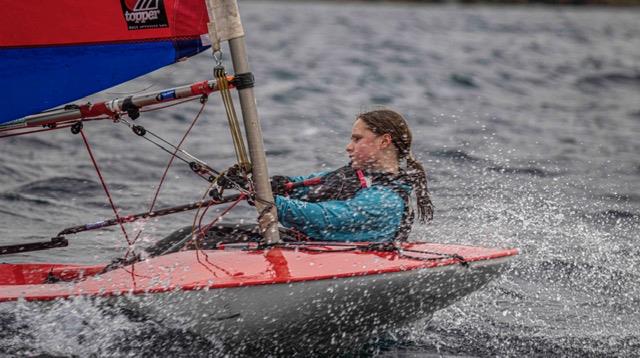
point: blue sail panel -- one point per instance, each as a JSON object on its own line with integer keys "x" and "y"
{"x": 33, "y": 79}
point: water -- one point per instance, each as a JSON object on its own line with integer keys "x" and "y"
{"x": 527, "y": 119}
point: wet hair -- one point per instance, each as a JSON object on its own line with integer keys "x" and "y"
{"x": 386, "y": 121}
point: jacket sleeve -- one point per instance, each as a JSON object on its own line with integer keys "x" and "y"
{"x": 373, "y": 214}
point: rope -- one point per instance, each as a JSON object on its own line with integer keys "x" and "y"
{"x": 234, "y": 125}
{"x": 204, "y": 165}
{"x": 173, "y": 155}
{"x": 195, "y": 218}
{"x": 33, "y": 131}
{"x": 225, "y": 212}
{"x": 460, "y": 259}
{"x": 104, "y": 186}
{"x": 166, "y": 170}
{"x": 203, "y": 231}
{"x": 387, "y": 246}
{"x": 58, "y": 125}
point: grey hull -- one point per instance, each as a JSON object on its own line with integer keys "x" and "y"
{"x": 311, "y": 316}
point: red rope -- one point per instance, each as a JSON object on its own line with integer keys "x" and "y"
{"x": 32, "y": 131}
{"x": 166, "y": 170}
{"x": 104, "y": 185}
{"x": 59, "y": 125}
{"x": 203, "y": 231}
{"x": 204, "y": 212}
{"x": 173, "y": 156}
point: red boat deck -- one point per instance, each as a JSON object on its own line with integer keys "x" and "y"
{"x": 194, "y": 270}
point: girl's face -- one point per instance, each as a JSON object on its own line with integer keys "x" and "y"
{"x": 365, "y": 147}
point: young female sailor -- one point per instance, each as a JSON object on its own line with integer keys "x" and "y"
{"x": 367, "y": 200}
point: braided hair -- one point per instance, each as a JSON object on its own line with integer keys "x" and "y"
{"x": 386, "y": 121}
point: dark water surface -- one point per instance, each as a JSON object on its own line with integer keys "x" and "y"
{"x": 528, "y": 119}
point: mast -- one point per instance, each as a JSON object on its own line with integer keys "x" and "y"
{"x": 225, "y": 25}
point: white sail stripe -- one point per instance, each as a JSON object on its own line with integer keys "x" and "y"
{"x": 146, "y": 5}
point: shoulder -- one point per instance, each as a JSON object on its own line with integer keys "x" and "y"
{"x": 380, "y": 194}
{"x": 398, "y": 183}
{"x": 295, "y": 178}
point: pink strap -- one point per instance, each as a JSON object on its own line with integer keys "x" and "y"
{"x": 363, "y": 181}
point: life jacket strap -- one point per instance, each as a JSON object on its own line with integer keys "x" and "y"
{"x": 363, "y": 180}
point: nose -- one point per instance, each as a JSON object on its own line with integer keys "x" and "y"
{"x": 349, "y": 147}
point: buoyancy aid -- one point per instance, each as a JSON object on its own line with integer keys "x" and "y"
{"x": 343, "y": 184}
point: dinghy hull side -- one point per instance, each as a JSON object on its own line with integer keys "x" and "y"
{"x": 337, "y": 313}
{"x": 319, "y": 295}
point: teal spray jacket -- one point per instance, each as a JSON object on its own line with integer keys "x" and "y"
{"x": 378, "y": 210}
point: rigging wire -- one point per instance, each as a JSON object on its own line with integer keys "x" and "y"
{"x": 166, "y": 170}
{"x": 203, "y": 165}
{"x": 175, "y": 151}
{"x": 177, "y": 148}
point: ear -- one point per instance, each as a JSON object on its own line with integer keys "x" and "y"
{"x": 386, "y": 140}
